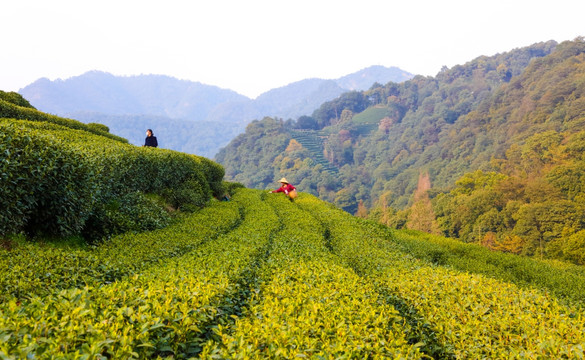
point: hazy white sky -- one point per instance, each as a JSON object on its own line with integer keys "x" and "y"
{"x": 252, "y": 46}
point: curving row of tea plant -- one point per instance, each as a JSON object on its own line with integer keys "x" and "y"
{"x": 57, "y": 268}
{"x": 565, "y": 280}
{"x": 261, "y": 277}
{"x": 167, "y": 309}
{"x": 455, "y": 314}
{"x": 14, "y": 106}
{"x": 308, "y": 305}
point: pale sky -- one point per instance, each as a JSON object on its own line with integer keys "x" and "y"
{"x": 252, "y": 46}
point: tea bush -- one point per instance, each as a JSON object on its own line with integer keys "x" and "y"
{"x": 167, "y": 310}
{"x": 566, "y": 281}
{"x": 45, "y": 184}
{"x": 132, "y": 212}
{"x": 95, "y": 127}
{"x": 262, "y": 277}
{"x": 309, "y": 306}
{"x": 123, "y": 255}
{"x": 59, "y": 180}
{"x": 12, "y": 107}
{"x": 15, "y": 98}
{"x": 465, "y": 315}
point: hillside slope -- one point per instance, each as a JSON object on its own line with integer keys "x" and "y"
{"x": 62, "y": 177}
{"x": 257, "y": 285}
{"x": 495, "y": 140}
{"x": 408, "y": 130}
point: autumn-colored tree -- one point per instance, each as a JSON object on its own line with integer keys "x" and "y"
{"x": 422, "y": 216}
{"x": 385, "y": 125}
{"x": 488, "y": 240}
{"x": 362, "y": 211}
{"x": 293, "y": 145}
{"x": 509, "y": 243}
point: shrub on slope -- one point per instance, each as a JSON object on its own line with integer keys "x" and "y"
{"x": 10, "y": 110}
{"x": 63, "y": 181}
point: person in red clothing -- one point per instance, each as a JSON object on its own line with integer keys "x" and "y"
{"x": 286, "y": 188}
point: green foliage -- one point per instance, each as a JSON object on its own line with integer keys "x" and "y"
{"x": 330, "y": 112}
{"x": 306, "y": 123}
{"x": 572, "y": 247}
{"x": 461, "y": 314}
{"x": 57, "y": 268}
{"x": 15, "y": 98}
{"x": 534, "y": 197}
{"x": 308, "y": 305}
{"x": 10, "y": 110}
{"x": 46, "y": 185}
{"x": 95, "y": 127}
{"x": 63, "y": 181}
{"x": 564, "y": 280}
{"x": 313, "y": 149}
{"x": 371, "y": 115}
{"x": 265, "y": 140}
{"x": 165, "y": 310}
{"x": 231, "y": 187}
{"x": 190, "y": 195}
{"x": 258, "y": 161}
{"x": 501, "y": 138}
{"x": 396, "y": 130}
{"x": 263, "y": 277}
{"x": 130, "y": 212}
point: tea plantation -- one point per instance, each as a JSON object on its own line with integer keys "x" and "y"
{"x": 255, "y": 277}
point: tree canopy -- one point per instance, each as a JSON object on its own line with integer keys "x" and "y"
{"x": 500, "y": 138}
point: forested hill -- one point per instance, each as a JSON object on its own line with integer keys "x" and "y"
{"x": 488, "y": 151}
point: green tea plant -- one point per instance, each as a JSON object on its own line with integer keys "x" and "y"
{"x": 31, "y": 270}
{"x": 15, "y": 98}
{"x": 308, "y": 305}
{"x": 62, "y": 181}
{"x": 470, "y": 315}
{"x": 565, "y": 280}
{"x": 12, "y": 107}
{"x": 262, "y": 277}
{"x": 167, "y": 310}
{"x": 43, "y": 181}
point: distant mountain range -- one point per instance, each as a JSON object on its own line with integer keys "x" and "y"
{"x": 187, "y": 116}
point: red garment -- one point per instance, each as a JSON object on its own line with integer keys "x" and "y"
{"x": 286, "y": 188}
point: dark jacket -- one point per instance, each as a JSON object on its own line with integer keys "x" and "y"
{"x": 151, "y": 141}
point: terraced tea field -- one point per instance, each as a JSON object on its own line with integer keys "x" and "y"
{"x": 262, "y": 277}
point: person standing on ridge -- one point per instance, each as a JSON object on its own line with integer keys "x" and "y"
{"x": 150, "y": 139}
{"x": 286, "y": 188}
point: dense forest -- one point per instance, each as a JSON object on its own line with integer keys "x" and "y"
{"x": 489, "y": 152}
